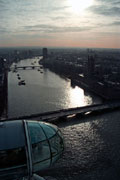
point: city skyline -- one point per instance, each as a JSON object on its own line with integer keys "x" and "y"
{"x": 55, "y": 23}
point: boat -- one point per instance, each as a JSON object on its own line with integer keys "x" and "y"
{"x": 22, "y": 82}
{"x": 14, "y": 71}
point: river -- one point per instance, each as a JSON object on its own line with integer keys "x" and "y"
{"x": 44, "y": 91}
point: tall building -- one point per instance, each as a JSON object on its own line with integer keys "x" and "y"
{"x": 1, "y": 65}
{"x": 45, "y": 53}
{"x": 2, "y": 81}
{"x": 91, "y": 65}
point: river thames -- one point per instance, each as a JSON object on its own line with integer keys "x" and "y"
{"x": 43, "y": 91}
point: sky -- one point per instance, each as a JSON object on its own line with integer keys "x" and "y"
{"x": 60, "y": 23}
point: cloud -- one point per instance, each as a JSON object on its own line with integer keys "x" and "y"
{"x": 38, "y": 6}
{"x": 16, "y": 13}
{"x": 62, "y": 17}
{"x": 3, "y": 6}
{"x": 115, "y": 23}
{"x": 3, "y": 30}
{"x": 117, "y": 2}
{"x": 56, "y": 29}
{"x": 105, "y": 10}
{"x": 2, "y": 2}
{"x": 53, "y": 19}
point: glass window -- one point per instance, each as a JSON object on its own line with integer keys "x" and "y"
{"x": 41, "y": 155}
{"x": 56, "y": 144}
{"x": 49, "y": 131}
{"x": 42, "y": 165}
{"x": 40, "y": 147}
{"x": 36, "y": 133}
{"x": 55, "y": 158}
{"x": 41, "y": 151}
{"x": 60, "y": 134}
{"x": 12, "y": 158}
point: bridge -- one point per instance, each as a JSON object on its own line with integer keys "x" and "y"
{"x": 49, "y": 116}
{"x": 25, "y": 67}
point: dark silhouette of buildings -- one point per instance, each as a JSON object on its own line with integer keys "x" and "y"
{"x": 91, "y": 65}
{"x": 1, "y": 65}
{"x": 45, "y": 53}
{"x": 96, "y": 70}
{"x": 3, "y": 85}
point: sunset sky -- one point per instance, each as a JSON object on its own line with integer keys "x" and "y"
{"x": 60, "y": 23}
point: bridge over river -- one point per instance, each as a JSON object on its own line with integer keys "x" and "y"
{"x": 49, "y": 116}
{"x": 25, "y": 67}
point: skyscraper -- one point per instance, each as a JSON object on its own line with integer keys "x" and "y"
{"x": 1, "y": 65}
{"x": 45, "y": 53}
{"x": 91, "y": 65}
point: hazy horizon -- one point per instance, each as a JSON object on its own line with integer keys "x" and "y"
{"x": 55, "y": 23}
{"x": 53, "y": 47}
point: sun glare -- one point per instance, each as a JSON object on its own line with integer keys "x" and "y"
{"x": 79, "y": 6}
{"x": 77, "y": 97}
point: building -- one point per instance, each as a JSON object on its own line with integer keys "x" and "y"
{"x": 3, "y": 85}
{"x": 45, "y": 53}
{"x": 1, "y": 65}
{"x": 91, "y": 65}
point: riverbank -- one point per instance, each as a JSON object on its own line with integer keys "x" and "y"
{"x": 63, "y": 71}
{"x": 102, "y": 89}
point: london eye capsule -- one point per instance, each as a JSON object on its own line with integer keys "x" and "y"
{"x": 26, "y": 147}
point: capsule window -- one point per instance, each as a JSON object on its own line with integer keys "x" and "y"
{"x": 41, "y": 152}
{"x": 12, "y": 158}
{"x": 49, "y": 130}
{"x": 56, "y": 144}
{"x": 35, "y": 132}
